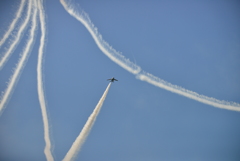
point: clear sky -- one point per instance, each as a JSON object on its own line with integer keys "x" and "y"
{"x": 192, "y": 44}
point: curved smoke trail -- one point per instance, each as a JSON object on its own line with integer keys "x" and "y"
{"x": 22, "y": 61}
{"x": 77, "y": 144}
{"x": 16, "y": 40}
{"x": 41, "y": 97}
{"x": 133, "y": 68}
{"x": 12, "y": 25}
{"x": 103, "y": 45}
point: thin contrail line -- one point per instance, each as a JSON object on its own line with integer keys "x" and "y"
{"x": 22, "y": 60}
{"x": 77, "y": 144}
{"x": 14, "y": 43}
{"x": 102, "y": 45}
{"x": 47, "y": 150}
{"x": 133, "y": 68}
{"x": 12, "y": 25}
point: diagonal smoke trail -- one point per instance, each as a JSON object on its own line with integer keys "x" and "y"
{"x": 102, "y": 45}
{"x": 14, "y": 43}
{"x": 133, "y": 68}
{"x": 41, "y": 97}
{"x": 12, "y": 25}
{"x": 22, "y": 60}
{"x": 73, "y": 151}
{"x": 187, "y": 93}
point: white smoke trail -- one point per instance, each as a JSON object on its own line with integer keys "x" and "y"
{"x": 47, "y": 150}
{"x": 187, "y": 93}
{"x": 12, "y": 25}
{"x": 73, "y": 151}
{"x": 103, "y": 46}
{"x": 133, "y": 68}
{"x": 22, "y": 60}
{"x": 14, "y": 43}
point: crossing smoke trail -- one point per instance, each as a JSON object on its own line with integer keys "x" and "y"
{"x": 133, "y": 68}
{"x": 22, "y": 60}
{"x": 12, "y": 25}
{"x": 13, "y": 45}
{"x": 73, "y": 151}
{"x": 41, "y": 97}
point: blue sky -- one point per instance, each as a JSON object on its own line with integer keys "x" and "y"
{"x": 193, "y": 44}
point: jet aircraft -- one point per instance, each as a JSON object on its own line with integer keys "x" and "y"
{"x": 112, "y": 79}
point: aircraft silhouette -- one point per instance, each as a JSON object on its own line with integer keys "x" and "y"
{"x": 112, "y": 79}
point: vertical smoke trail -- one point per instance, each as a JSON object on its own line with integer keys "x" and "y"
{"x": 140, "y": 74}
{"x": 73, "y": 151}
{"x": 102, "y": 45}
{"x": 14, "y": 43}
{"x": 22, "y": 60}
{"x": 47, "y": 150}
{"x": 12, "y": 25}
